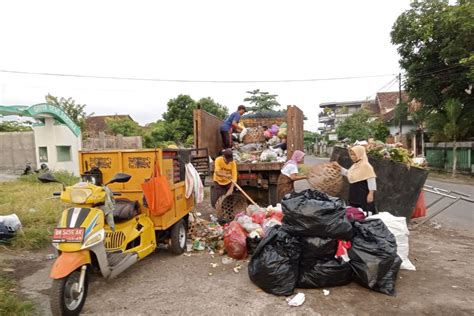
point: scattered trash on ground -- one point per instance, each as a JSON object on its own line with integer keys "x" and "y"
{"x": 297, "y": 300}
{"x": 326, "y": 292}
{"x": 9, "y": 226}
{"x": 206, "y": 234}
{"x": 51, "y": 256}
{"x": 227, "y": 260}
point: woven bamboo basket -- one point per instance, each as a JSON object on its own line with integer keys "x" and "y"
{"x": 227, "y": 206}
{"x": 326, "y": 178}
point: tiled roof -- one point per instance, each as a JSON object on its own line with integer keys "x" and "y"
{"x": 371, "y": 105}
{"x": 386, "y": 101}
{"x": 341, "y": 104}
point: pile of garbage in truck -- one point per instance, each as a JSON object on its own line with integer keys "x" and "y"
{"x": 261, "y": 144}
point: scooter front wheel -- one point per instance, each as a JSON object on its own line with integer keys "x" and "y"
{"x": 66, "y": 299}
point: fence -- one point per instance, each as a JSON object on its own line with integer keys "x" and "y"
{"x": 440, "y": 156}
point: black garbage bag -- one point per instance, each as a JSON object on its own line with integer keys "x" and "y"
{"x": 315, "y": 214}
{"x": 324, "y": 273}
{"x": 314, "y": 248}
{"x": 274, "y": 264}
{"x": 252, "y": 244}
{"x": 373, "y": 255}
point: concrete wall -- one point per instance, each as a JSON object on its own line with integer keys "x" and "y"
{"x": 406, "y": 128}
{"x": 51, "y": 135}
{"x": 112, "y": 142}
{"x": 16, "y": 150}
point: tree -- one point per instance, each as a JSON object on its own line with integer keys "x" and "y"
{"x": 123, "y": 126}
{"x": 436, "y": 46}
{"x": 75, "y": 111}
{"x": 310, "y": 138}
{"x": 361, "y": 125}
{"x": 355, "y": 127}
{"x": 379, "y": 130}
{"x": 157, "y": 134}
{"x": 14, "y": 126}
{"x": 180, "y": 117}
{"x": 210, "y": 106}
{"x": 448, "y": 124}
{"x": 262, "y": 101}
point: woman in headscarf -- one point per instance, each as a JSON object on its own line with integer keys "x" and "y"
{"x": 289, "y": 174}
{"x": 361, "y": 177}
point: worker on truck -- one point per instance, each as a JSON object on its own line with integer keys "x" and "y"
{"x": 225, "y": 171}
{"x": 230, "y": 124}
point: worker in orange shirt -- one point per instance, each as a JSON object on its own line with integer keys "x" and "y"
{"x": 225, "y": 171}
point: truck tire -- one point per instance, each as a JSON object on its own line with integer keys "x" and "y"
{"x": 179, "y": 237}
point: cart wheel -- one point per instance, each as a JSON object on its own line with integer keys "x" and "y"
{"x": 178, "y": 237}
{"x": 64, "y": 300}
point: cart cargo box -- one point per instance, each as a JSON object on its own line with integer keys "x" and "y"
{"x": 139, "y": 164}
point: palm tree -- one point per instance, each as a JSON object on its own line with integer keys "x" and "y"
{"x": 449, "y": 124}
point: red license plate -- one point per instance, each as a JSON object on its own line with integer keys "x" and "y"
{"x": 68, "y": 234}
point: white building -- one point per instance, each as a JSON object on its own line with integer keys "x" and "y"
{"x": 57, "y": 138}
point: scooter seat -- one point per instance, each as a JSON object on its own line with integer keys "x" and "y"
{"x": 125, "y": 209}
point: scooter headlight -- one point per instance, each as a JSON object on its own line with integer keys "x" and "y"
{"x": 94, "y": 239}
{"x": 79, "y": 196}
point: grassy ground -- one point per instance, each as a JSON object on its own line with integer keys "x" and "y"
{"x": 31, "y": 201}
{"x": 10, "y": 303}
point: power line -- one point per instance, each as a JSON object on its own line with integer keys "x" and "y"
{"x": 437, "y": 71}
{"x": 389, "y": 84}
{"x": 189, "y": 81}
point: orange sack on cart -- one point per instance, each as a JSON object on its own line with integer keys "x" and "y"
{"x": 157, "y": 191}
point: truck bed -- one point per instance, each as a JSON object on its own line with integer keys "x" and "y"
{"x": 260, "y": 166}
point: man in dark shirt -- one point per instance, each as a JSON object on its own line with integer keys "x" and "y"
{"x": 230, "y": 124}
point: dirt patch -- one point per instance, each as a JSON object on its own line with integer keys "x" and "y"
{"x": 188, "y": 284}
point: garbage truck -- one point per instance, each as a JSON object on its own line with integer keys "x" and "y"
{"x": 258, "y": 179}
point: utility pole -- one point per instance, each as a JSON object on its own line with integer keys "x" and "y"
{"x": 399, "y": 102}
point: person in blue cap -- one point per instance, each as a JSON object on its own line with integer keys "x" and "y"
{"x": 230, "y": 125}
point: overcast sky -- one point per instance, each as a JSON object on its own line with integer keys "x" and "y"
{"x": 196, "y": 40}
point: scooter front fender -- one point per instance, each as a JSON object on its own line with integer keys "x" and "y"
{"x": 68, "y": 262}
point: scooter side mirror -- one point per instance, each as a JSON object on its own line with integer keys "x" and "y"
{"x": 48, "y": 178}
{"x": 120, "y": 178}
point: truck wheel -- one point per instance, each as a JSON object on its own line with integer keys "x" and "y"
{"x": 64, "y": 300}
{"x": 178, "y": 237}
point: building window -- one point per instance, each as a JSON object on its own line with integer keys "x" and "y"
{"x": 64, "y": 153}
{"x": 43, "y": 154}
